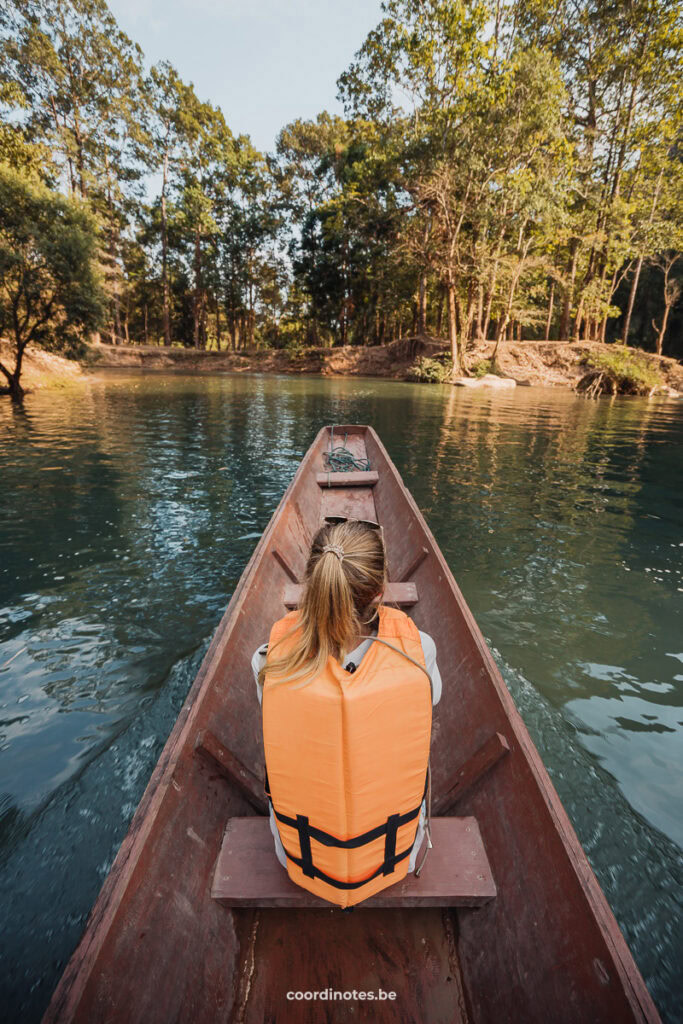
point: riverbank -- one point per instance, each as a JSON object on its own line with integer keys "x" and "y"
{"x": 554, "y": 364}
{"x": 550, "y": 364}
{"x": 41, "y": 369}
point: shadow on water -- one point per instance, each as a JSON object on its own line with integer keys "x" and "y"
{"x": 129, "y": 509}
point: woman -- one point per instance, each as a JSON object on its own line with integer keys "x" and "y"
{"x": 344, "y": 684}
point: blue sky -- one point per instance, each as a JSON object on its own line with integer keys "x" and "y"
{"x": 264, "y": 62}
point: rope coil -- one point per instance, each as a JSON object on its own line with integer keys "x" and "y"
{"x": 340, "y": 460}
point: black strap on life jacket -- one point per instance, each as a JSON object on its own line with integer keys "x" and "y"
{"x": 307, "y": 832}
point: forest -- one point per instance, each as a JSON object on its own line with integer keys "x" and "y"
{"x": 503, "y": 170}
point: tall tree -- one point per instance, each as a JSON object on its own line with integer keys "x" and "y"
{"x": 81, "y": 76}
{"x": 175, "y": 125}
{"x": 50, "y": 294}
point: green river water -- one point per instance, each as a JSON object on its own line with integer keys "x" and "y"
{"x": 129, "y": 507}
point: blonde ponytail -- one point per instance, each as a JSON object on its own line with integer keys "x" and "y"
{"x": 346, "y": 571}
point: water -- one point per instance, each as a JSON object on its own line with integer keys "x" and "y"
{"x": 128, "y": 510}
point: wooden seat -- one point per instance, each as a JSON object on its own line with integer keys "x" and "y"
{"x": 356, "y": 478}
{"x": 456, "y": 872}
{"x": 402, "y": 594}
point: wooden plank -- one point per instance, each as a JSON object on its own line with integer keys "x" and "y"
{"x": 279, "y": 557}
{"x": 462, "y": 780}
{"x": 224, "y": 761}
{"x": 456, "y": 872}
{"x": 356, "y": 478}
{"x": 415, "y": 564}
{"x": 351, "y": 502}
{"x": 402, "y": 594}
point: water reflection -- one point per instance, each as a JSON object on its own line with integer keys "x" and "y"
{"x": 129, "y": 508}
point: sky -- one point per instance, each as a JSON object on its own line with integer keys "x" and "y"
{"x": 264, "y": 62}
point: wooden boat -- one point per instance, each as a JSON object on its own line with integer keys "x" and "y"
{"x": 158, "y": 948}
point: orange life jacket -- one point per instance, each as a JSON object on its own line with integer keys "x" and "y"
{"x": 346, "y": 762}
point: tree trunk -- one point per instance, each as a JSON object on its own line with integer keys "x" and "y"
{"x": 639, "y": 265}
{"x": 469, "y": 318}
{"x": 79, "y": 157}
{"x": 603, "y": 325}
{"x": 342, "y": 324}
{"x": 113, "y": 239}
{"x": 453, "y": 329}
{"x": 550, "y": 310}
{"x": 569, "y": 291}
{"x": 672, "y": 291}
{"x": 662, "y": 329}
{"x": 491, "y": 287}
{"x": 480, "y": 312}
{"x": 422, "y": 305}
{"x": 14, "y": 388}
{"x": 164, "y": 257}
{"x": 117, "y": 314}
{"x": 196, "y": 311}
{"x": 576, "y": 334}
{"x": 250, "y": 338}
{"x": 632, "y": 298}
{"x": 439, "y": 313}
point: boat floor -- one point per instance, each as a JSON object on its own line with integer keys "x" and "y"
{"x": 417, "y": 949}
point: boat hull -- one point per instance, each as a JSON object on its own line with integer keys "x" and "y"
{"x": 157, "y": 948}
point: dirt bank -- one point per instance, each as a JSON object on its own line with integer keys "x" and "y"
{"x": 347, "y": 361}
{"x": 556, "y": 364}
{"x": 41, "y": 369}
{"x": 561, "y": 362}
{"x": 548, "y": 363}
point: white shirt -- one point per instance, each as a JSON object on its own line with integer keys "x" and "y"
{"x": 356, "y": 655}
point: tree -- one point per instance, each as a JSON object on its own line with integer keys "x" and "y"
{"x": 667, "y": 246}
{"x": 508, "y": 161}
{"x": 16, "y": 149}
{"x": 621, "y": 67}
{"x": 249, "y": 224}
{"x": 483, "y": 149}
{"x": 174, "y": 127}
{"x": 206, "y": 167}
{"x": 50, "y": 293}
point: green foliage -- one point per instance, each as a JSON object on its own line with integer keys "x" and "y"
{"x": 430, "y": 371}
{"x": 620, "y": 371}
{"x": 299, "y": 354}
{"x": 16, "y": 149}
{"x": 50, "y": 292}
{"x": 483, "y": 367}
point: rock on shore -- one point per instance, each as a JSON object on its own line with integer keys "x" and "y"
{"x": 489, "y": 380}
